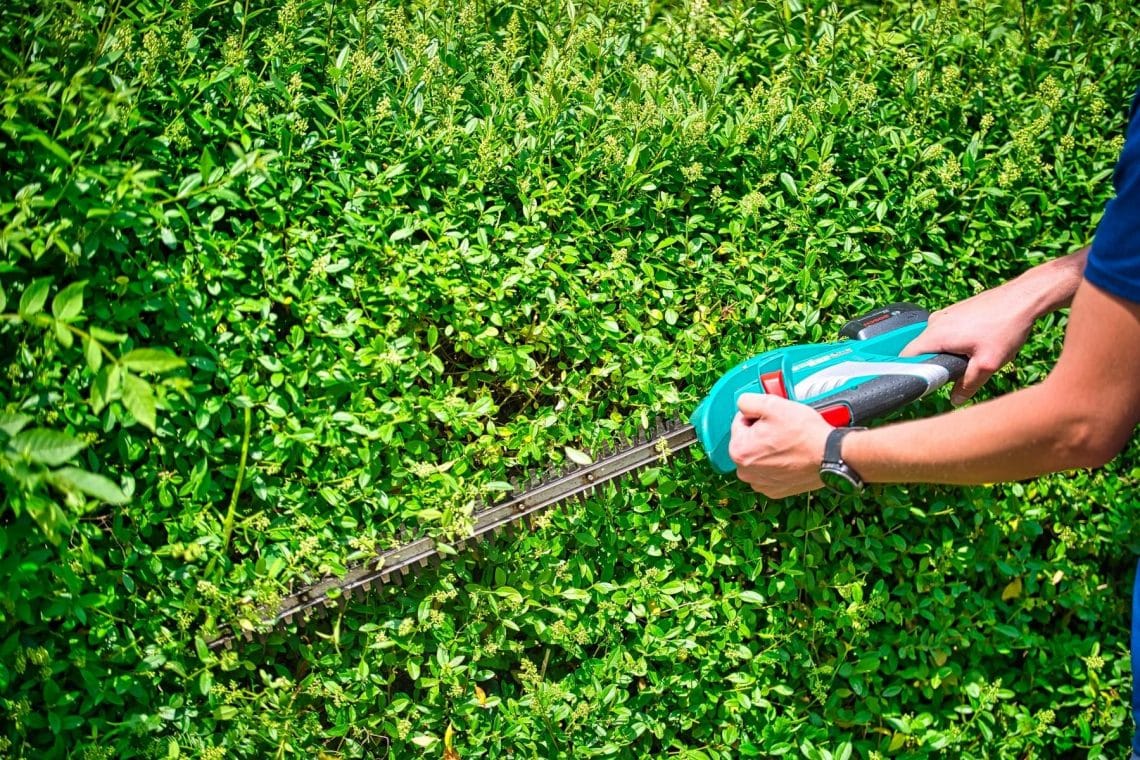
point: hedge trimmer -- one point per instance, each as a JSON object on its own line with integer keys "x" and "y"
{"x": 848, "y": 382}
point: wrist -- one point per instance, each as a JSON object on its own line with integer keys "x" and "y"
{"x": 1049, "y": 286}
{"x": 858, "y": 455}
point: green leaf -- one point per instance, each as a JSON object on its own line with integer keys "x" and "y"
{"x": 226, "y": 712}
{"x": 62, "y": 334}
{"x": 32, "y": 302}
{"x": 106, "y": 388}
{"x": 151, "y": 360}
{"x": 13, "y": 422}
{"x": 576, "y": 456}
{"x": 138, "y": 396}
{"x": 53, "y": 147}
{"x": 752, "y": 597}
{"x": 3, "y": 298}
{"x": 789, "y": 184}
{"x": 94, "y": 485}
{"x": 49, "y": 447}
{"x": 68, "y": 303}
{"x": 47, "y": 514}
{"x": 188, "y": 184}
{"x": 93, "y": 353}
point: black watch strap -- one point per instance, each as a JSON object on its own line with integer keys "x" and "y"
{"x": 834, "y": 464}
{"x": 833, "y": 449}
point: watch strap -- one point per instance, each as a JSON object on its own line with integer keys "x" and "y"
{"x": 833, "y": 448}
{"x": 833, "y": 455}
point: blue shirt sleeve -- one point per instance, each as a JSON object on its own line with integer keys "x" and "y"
{"x": 1114, "y": 259}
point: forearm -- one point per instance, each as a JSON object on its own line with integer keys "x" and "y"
{"x": 1020, "y": 435}
{"x": 1049, "y": 286}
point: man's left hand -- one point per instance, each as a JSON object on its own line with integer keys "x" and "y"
{"x": 777, "y": 445}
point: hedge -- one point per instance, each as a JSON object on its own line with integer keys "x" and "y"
{"x": 282, "y": 282}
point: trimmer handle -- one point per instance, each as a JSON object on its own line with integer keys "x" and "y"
{"x": 883, "y": 394}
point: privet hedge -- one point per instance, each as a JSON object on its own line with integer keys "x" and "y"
{"x": 283, "y": 281}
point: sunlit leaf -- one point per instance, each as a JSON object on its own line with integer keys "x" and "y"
{"x": 47, "y": 447}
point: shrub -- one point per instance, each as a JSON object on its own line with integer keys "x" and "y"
{"x": 354, "y": 265}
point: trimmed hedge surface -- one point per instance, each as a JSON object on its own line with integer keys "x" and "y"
{"x": 283, "y": 281}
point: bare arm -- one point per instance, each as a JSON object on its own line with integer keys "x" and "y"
{"x": 1080, "y": 416}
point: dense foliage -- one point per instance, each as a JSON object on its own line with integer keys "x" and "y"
{"x": 282, "y": 280}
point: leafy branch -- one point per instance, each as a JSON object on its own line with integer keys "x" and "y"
{"x": 32, "y": 458}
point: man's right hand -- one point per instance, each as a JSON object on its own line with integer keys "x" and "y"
{"x": 989, "y": 329}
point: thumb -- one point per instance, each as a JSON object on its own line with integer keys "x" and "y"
{"x": 754, "y": 406}
{"x": 925, "y": 343}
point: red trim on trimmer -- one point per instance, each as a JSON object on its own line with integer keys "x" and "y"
{"x": 838, "y": 415}
{"x": 773, "y": 383}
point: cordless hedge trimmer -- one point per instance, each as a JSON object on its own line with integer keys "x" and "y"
{"x": 849, "y": 382}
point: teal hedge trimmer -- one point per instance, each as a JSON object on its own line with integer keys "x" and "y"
{"x": 849, "y": 382}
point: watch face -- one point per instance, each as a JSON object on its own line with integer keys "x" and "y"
{"x": 839, "y": 481}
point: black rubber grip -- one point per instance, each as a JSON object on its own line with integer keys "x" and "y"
{"x": 886, "y": 393}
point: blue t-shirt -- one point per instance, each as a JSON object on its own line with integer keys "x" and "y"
{"x": 1114, "y": 259}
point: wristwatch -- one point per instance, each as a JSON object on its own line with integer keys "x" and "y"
{"x": 835, "y": 473}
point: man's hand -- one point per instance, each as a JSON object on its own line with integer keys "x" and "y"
{"x": 777, "y": 445}
{"x": 989, "y": 329}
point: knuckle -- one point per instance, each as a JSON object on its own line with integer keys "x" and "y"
{"x": 985, "y": 365}
{"x": 736, "y": 450}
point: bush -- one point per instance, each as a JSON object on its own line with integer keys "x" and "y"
{"x": 288, "y": 282}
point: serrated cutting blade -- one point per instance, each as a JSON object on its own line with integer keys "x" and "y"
{"x": 515, "y": 511}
